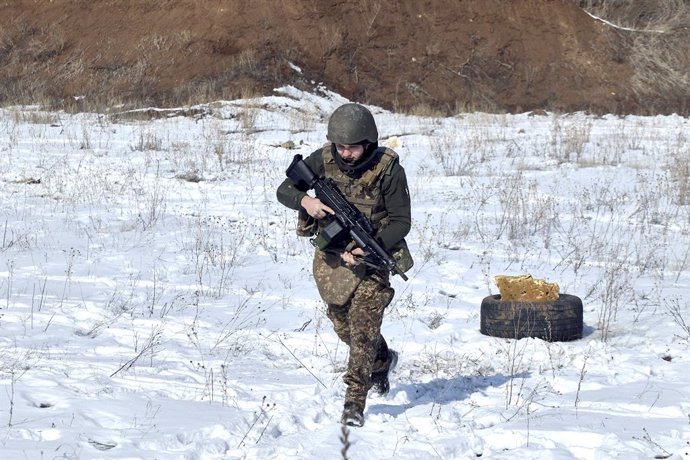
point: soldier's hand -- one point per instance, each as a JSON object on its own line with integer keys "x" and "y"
{"x": 315, "y": 207}
{"x": 350, "y": 257}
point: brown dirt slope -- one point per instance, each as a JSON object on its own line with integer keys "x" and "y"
{"x": 437, "y": 55}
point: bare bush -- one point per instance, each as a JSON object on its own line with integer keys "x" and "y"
{"x": 615, "y": 290}
{"x": 147, "y": 140}
{"x": 641, "y": 15}
{"x": 678, "y": 311}
{"x": 569, "y": 139}
{"x": 524, "y": 210}
{"x": 657, "y": 36}
{"x": 452, "y": 153}
{"x": 659, "y": 68}
{"x": 679, "y": 174}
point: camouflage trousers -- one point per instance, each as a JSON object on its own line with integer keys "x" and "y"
{"x": 358, "y": 324}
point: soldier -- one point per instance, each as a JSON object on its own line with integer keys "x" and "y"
{"x": 356, "y": 295}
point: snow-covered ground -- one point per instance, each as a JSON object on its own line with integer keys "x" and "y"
{"x": 157, "y": 304}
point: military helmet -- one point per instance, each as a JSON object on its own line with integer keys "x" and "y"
{"x": 352, "y": 124}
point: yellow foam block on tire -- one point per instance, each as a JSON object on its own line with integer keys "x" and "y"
{"x": 524, "y": 288}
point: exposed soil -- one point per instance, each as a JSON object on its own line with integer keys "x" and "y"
{"x": 443, "y": 55}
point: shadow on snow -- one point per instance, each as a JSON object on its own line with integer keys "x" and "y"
{"x": 440, "y": 391}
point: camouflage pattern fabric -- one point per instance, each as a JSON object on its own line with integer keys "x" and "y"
{"x": 358, "y": 324}
{"x": 335, "y": 281}
{"x": 356, "y": 297}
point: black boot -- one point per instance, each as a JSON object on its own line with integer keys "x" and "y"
{"x": 353, "y": 414}
{"x": 379, "y": 380}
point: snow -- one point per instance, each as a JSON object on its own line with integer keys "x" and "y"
{"x": 629, "y": 29}
{"x": 156, "y": 302}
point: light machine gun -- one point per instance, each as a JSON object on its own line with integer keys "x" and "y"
{"x": 346, "y": 220}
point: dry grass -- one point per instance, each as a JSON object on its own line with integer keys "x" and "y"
{"x": 425, "y": 110}
{"x": 661, "y": 65}
{"x": 679, "y": 172}
{"x": 641, "y": 15}
{"x": 40, "y": 65}
{"x": 35, "y": 67}
{"x": 657, "y": 37}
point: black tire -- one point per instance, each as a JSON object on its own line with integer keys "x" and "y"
{"x": 554, "y": 321}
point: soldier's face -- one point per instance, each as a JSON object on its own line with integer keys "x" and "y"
{"x": 350, "y": 153}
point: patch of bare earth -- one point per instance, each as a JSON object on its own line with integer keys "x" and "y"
{"x": 440, "y": 56}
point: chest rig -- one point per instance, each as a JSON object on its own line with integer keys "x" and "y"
{"x": 364, "y": 190}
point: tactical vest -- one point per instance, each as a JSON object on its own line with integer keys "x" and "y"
{"x": 364, "y": 191}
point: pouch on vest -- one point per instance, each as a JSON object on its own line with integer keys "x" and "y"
{"x": 402, "y": 256}
{"x": 306, "y": 224}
